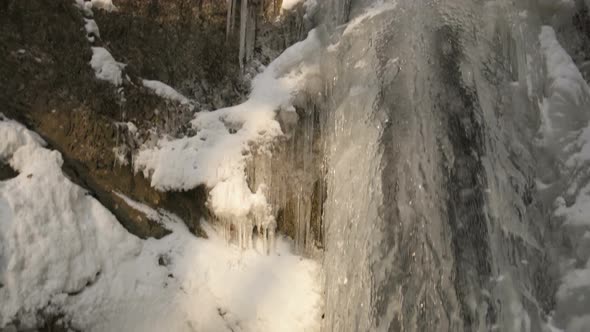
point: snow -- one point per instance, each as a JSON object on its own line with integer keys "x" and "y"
{"x": 87, "y": 6}
{"x": 105, "y": 67}
{"x": 132, "y": 128}
{"x": 91, "y": 29}
{"x": 216, "y": 156}
{"x": 566, "y": 90}
{"x": 13, "y": 135}
{"x": 54, "y": 238}
{"x": 62, "y": 252}
{"x": 289, "y": 4}
{"x": 165, "y": 91}
{"x": 84, "y": 6}
{"x": 206, "y": 286}
{"x": 104, "y": 4}
{"x": 564, "y": 79}
{"x": 574, "y": 280}
{"x": 565, "y": 130}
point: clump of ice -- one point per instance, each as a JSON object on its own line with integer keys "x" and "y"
{"x": 165, "y": 91}
{"x": 216, "y": 156}
{"x": 105, "y": 67}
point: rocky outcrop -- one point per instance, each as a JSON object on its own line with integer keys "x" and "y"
{"x": 48, "y": 84}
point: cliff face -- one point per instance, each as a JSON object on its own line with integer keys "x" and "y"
{"x": 48, "y": 84}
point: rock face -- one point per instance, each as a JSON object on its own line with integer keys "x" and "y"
{"x": 48, "y": 84}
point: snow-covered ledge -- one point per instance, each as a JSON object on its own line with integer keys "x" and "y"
{"x": 216, "y": 156}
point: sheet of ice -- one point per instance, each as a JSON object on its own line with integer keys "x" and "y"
{"x": 375, "y": 9}
{"x": 54, "y": 238}
{"x": 62, "y": 252}
{"x": 105, "y": 67}
{"x": 217, "y": 154}
{"x": 165, "y": 91}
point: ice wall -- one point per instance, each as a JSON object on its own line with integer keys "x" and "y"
{"x": 430, "y": 220}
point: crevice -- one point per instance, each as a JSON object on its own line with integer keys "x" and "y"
{"x": 7, "y": 172}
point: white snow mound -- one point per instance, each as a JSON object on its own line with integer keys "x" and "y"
{"x": 54, "y": 238}
{"x": 105, "y": 67}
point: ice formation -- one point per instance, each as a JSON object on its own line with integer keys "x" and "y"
{"x": 216, "y": 156}
{"x": 566, "y": 131}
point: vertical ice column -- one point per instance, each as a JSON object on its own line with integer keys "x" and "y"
{"x": 231, "y": 8}
{"x": 243, "y": 27}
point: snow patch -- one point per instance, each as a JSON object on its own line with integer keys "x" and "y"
{"x": 105, "y": 67}
{"x": 183, "y": 283}
{"x": 566, "y": 90}
{"x": 54, "y": 238}
{"x": 165, "y": 91}
{"x": 13, "y": 135}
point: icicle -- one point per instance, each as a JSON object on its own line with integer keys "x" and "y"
{"x": 271, "y": 238}
{"x": 230, "y": 15}
{"x": 233, "y": 15}
{"x": 243, "y": 27}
